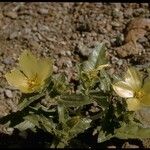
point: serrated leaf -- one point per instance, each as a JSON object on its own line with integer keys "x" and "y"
{"x": 96, "y": 58}
{"x": 27, "y": 101}
{"x": 132, "y": 130}
{"x": 106, "y": 81}
{"x": 102, "y": 137}
{"x": 148, "y": 70}
{"x": 24, "y": 125}
{"x": 74, "y": 100}
{"x": 15, "y": 117}
{"x": 47, "y": 123}
{"x": 73, "y": 121}
{"x": 41, "y": 121}
{"x": 33, "y": 119}
{"x": 78, "y": 125}
{"x": 60, "y": 83}
{"x": 62, "y": 113}
{"x": 101, "y": 101}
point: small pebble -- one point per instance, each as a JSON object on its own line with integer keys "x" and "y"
{"x": 120, "y": 62}
{"x": 69, "y": 63}
{"x": 63, "y": 53}
{"x": 1, "y": 68}
{"x": 55, "y": 69}
{"x": 128, "y": 145}
{"x": 8, "y": 61}
{"x": 43, "y": 11}
{"x": 8, "y": 93}
{"x": 68, "y": 53}
{"x": 13, "y": 35}
{"x": 111, "y": 146}
{"x": 11, "y": 14}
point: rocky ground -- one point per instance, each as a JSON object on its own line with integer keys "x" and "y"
{"x": 67, "y": 32}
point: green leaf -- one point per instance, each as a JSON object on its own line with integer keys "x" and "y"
{"x": 47, "y": 123}
{"x": 41, "y": 121}
{"x": 96, "y": 58}
{"x": 27, "y": 101}
{"x": 105, "y": 81}
{"x": 62, "y": 113}
{"x": 102, "y": 137}
{"x": 78, "y": 125}
{"x": 15, "y": 117}
{"x": 60, "y": 84}
{"x": 148, "y": 70}
{"x": 132, "y": 130}
{"x": 100, "y": 98}
{"x": 33, "y": 119}
{"x": 24, "y": 125}
{"x": 74, "y": 100}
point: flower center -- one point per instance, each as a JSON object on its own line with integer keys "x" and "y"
{"x": 33, "y": 82}
{"x": 139, "y": 94}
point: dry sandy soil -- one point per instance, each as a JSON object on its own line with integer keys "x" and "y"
{"x": 67, "y": 32}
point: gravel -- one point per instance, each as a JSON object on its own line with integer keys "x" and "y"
{"x": 66, "y": 32}
{"x": 8, "y": 93}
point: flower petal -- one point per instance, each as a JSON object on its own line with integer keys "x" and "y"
{"x": 45, "y": 68}
{"x": 28, "y": 64}
{"x": 146, "y": 100}
{"x": 17, "y": 79}
{"x": 133, "y": 78}
{"x": 146, "y": 86}
{"x": 123, "y": 89}
{"x": 133, "y": 104}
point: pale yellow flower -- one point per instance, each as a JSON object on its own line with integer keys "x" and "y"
{"x": 132, "y": 88}
{"x": 31, "y": 73}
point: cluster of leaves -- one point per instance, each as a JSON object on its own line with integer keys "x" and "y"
{"x": 64, "y": 117}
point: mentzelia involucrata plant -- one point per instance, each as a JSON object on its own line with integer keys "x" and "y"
{"x": 133, "y": 88}
{"x": 63, "y": 115}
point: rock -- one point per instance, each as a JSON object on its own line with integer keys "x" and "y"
{"x": 111, "y": 146}
{"x": 111, "y": 71}
{"x": 68, "y": 53}
{"x": 83, "y": 50}
{"x": 128, "y": 13}
{"x": 139, "y": 23}
{"x": 8, "y": 61}
{"x": 69, "y": 63}
{"x": 1, "y": 15}
{"x": 1, "y": 68}
{"x": 1, "y": 90}
{"x": 129, "y": 49}
{"x": 128, "y": 145}
{"x": 42, "y": 27}
{"x": 63, "y": 53}
{"x": 134, "y": 35}
{"x": 11, "y": 14}
{"x": 43, "y": 11}
{"x": 146, "y": 143}
{"x": 143, "y": 40}
{"x": 27, "y": 30}
{"x": 34, "y": 28}
{"x": 4, "y": 109}
{"x": 35, "y": 45}
{"x": 120, "y": 62}
{"x": 13, "y": 35}
{"x": 115, "y": 24}
{"x": 55, "y": 69}
{"x": 8, "y": 93}
{"x": 12, "y": 105}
